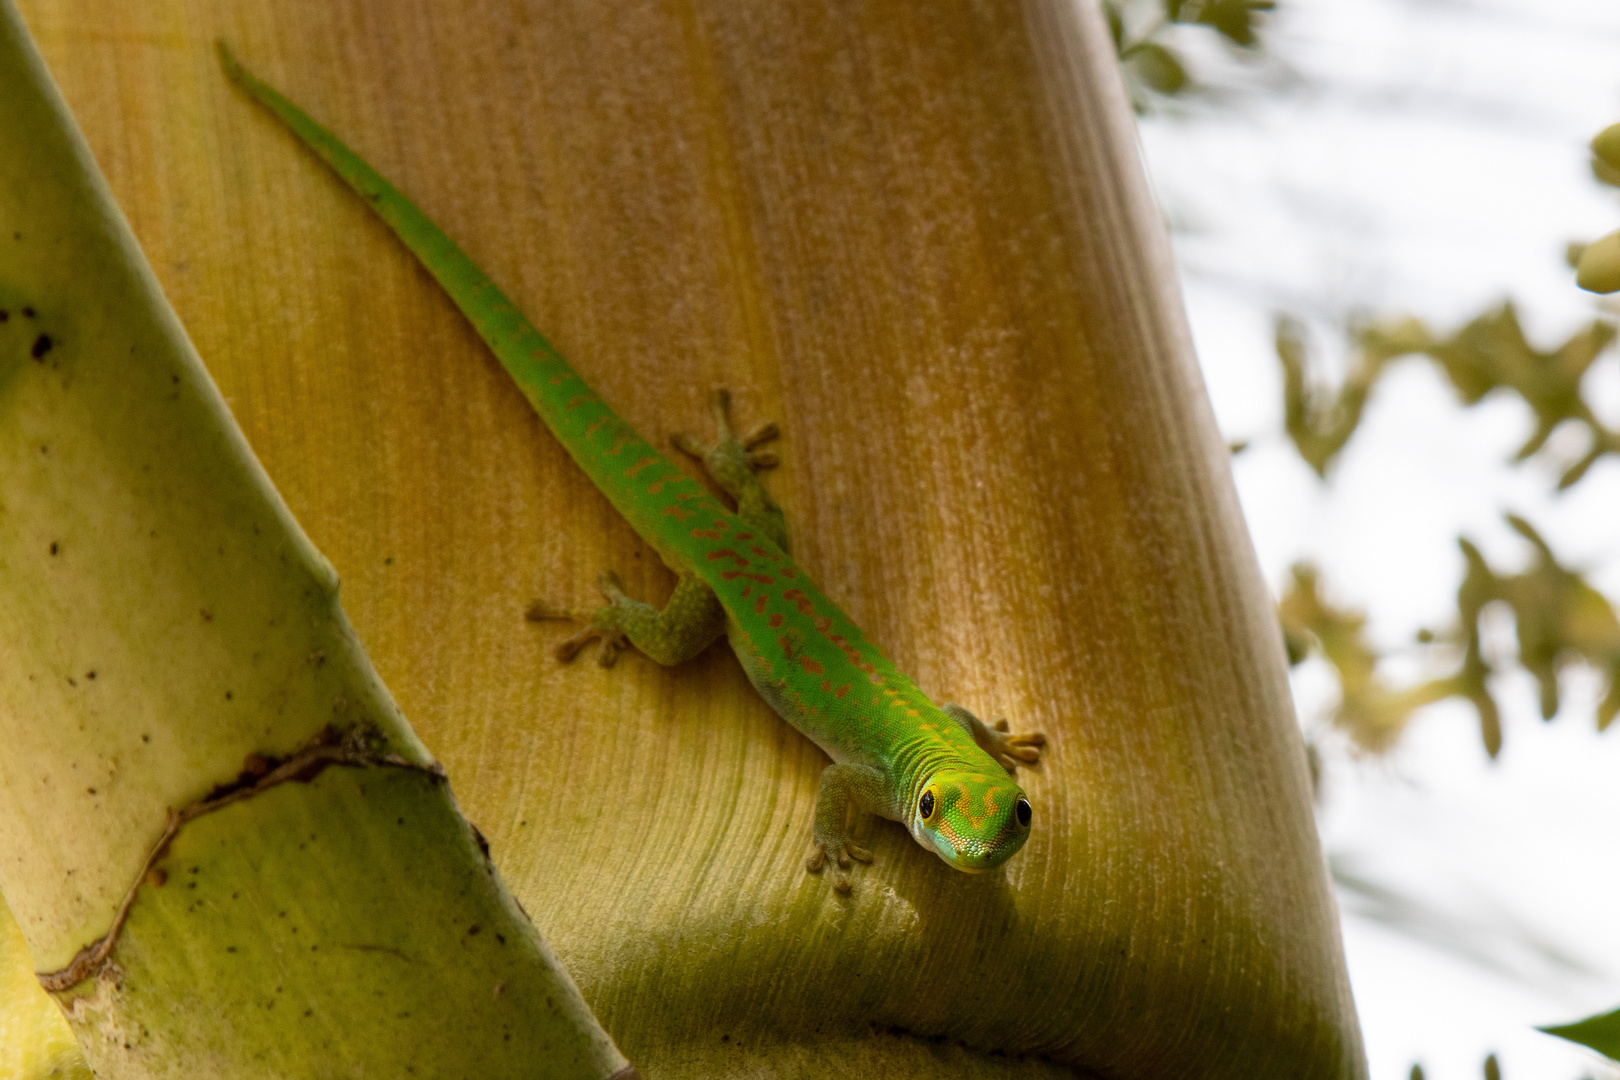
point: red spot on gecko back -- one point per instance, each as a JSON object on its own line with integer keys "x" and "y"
{"x": 733, "y": 575}
{"x": 787, "y": 571}
{"x": 745, "y": 536}
{"x": 710, "y": 534}
{"x": 759, "y": 606}
{"x": 810, "y": 665}
{"x": 638, "y": 466}
{"x": 822, "y": 623}
{"x": 797, "y": 598}
{"x": 747, "y": 589}
{"x": 841, "y": 691}
{"x": 577, "y": 400}
{"x": 679, "y": 513}
{"x": 776, "y": 619}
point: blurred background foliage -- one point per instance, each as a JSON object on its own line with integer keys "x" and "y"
{"x": 1561, "y": 620}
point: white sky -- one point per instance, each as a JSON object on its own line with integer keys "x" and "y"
{"x": 1425, "y": 156}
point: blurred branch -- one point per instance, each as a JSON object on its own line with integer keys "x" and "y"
{"x": 1489, "y": 353}
{"x": 1371, "y": 712}
{"x": 1497, "y": 943}
{"x": 1561, "y": 620}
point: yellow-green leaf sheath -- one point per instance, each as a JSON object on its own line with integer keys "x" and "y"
{"x": 226, "y": 850}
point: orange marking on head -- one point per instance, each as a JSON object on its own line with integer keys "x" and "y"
{"x": 776, "y": 619}
{"x": 810, "y": 665}
{"x": 892, "y": 692}
{"x": 876, "y": 678}
{"x": 913, "y": 712}
{"x": 841, "y": 691}
{"x": 638, "y": 466}
{"x": 710, "y": 534}
{"x": 759, "y": 606}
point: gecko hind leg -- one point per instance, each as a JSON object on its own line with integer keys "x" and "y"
{"x": 1008, "y": 749}
{"x": 684, "y": 627}
{"x": 734, "y": 463}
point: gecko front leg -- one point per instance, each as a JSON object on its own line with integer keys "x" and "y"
{"x": 686, "y": 625}
{"x": 843, "y": 786}
{"x": 1008, "y": 749}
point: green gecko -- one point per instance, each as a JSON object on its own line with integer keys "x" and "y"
{"x": 935, "y": 768}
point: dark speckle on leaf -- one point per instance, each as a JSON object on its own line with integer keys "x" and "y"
{"x": 55, "y": 547}
{"x": 28, "y": 313}
{"x": 4, "y": 314}
{"x": 42, "y": 345}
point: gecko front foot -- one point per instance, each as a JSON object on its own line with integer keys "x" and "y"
{"x": 838, "y": 853}
{"x": 601, "y": 624}
{"x": 999, "y": 742}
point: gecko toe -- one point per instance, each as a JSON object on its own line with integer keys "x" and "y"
{"x": 766, "y": 432}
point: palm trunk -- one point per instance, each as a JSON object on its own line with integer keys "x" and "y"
{"x": 918, "y": 233}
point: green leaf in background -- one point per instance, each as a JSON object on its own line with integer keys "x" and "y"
{"x": 1234, "y": 19}
{"x": 1600, "y": 1033}
{"x": 1157, "y": 67}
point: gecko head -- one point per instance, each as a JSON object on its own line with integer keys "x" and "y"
{"x": 974, "y": 821}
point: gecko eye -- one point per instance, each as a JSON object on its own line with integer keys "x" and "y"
{"x": 1024, "y": 812}
{"x": 925, "y": 805}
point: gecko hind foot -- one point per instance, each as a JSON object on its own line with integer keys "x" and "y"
{"x": 728, "y": 447}
{"x": 837, "y": 853}
{"x": 600, "y": 625}
{"x": 734, "y": 463}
